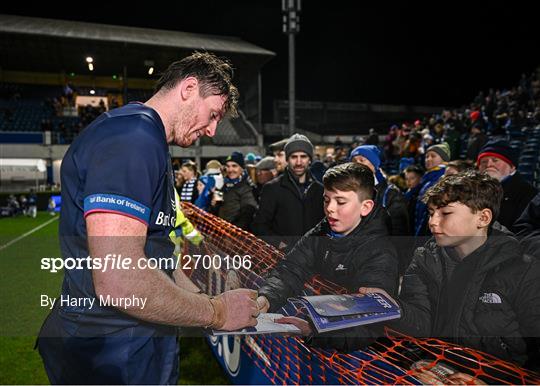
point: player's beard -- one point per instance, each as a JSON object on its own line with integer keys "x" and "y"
{"x": 187, "y": 120}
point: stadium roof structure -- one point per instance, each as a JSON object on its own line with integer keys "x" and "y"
{"x": 48, "y": 45}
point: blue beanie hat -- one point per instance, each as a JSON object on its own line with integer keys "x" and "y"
{"x": 372, "y": 153}
{"x": 237, "y": 157}
{"x": 405, "y": 162}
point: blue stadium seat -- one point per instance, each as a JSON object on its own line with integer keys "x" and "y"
{"x": 515, "y": 134}
{"x": 528, "y": 159}
{"x": 528, "y": 176}
{"x": 529, "y": 152}
{"x": 526, "y": 167}
{"x": 516, "y": 143}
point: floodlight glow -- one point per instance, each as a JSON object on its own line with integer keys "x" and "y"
{"x": 92, "y": 92}
{"x": 90, "y": 66}
{"x": 150, "y": 70}
{"x": 89, "y": 59}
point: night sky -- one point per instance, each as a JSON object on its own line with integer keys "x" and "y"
{"x": 351, "y": 52}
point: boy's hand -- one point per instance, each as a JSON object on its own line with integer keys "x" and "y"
{"x": 301, "y": 324}
{"x": 365, "y": 290}
{"x": 263, "y": 304}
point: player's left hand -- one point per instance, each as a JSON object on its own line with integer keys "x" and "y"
{"x": 301, "y": 324}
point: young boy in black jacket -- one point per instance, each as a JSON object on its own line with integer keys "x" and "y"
{"x": 349, "y": 247}
{"x": 471, "y": 284}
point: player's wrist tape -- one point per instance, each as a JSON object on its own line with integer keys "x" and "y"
{"x": 218, "y": 317}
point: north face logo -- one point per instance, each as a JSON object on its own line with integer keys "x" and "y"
{"x": 490, "y": 298}
{"x": 340, "y": 267}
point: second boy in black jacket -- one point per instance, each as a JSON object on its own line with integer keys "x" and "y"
{"x": 471, "y": 284}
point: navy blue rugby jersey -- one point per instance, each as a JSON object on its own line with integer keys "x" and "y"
{"x": 119, "y": 164}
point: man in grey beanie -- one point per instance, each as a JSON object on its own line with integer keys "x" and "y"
{"x": 299, "y": 154}
{"x": 292, "y": 203}
{"x": 298, "y": 142}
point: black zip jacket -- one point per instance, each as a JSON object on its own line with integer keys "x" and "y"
{"x": 285, "y": 213}
{"x": 499, "y": 312}
{"x": 239, "y": 205}
{"x": 363, "y": 258}
{"x": 517, "y": 195}
{"x": 527, "y": 227}
{"x": 395, "y": 203}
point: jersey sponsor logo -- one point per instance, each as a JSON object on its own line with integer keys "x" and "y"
{"x": 116, "y": 203}
{"x": 490, "y": 298}
{"x": 163, "y": 219}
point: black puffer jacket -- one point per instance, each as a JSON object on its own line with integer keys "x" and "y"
{"x": 239, "y": 204}
{"x": 527, "y": 227}
{"x": 285, "y": 214}
{"x": 500, "y": 311}
{"x": 517, "y": 195}
{"x": 363, "y": 258}
{"x": 391, "y": 198}
{"x": 395, "y": 203}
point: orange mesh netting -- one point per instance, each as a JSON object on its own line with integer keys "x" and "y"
{"x": 395, "y": 359}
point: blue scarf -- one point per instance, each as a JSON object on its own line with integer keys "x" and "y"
{"x": 379, "y": 177}
{"x": 229, "y": 183}
{"x": 335, "y": 235}
{"x": 205, "y": 198}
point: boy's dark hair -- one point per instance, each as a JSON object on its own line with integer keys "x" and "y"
{"x": 414, "y": 169}
{"x": 476, "y": 190}
{"x": 461, "y": 165}
{"x": 214, "y": 75}
{"x": 350, "y": 176}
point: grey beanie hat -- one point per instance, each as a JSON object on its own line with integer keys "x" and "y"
{"x": 298, "y": 142}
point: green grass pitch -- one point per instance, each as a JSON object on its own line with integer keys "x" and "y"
{"x": 21, "y": 284}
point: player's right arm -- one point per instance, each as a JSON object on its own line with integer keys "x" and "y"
{"x": 123, "y": 170}
{"x": 166, "y": 303}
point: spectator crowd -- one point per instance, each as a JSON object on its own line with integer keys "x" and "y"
{"x": 441, "y": 215}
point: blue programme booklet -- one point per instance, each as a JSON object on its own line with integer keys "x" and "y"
{"x": 336, "y": 312}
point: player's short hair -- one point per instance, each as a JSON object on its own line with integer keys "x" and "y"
{"x": 214, "y": 75}
{"x": 471, "y": 188}
{"x": 351, "y": 176}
